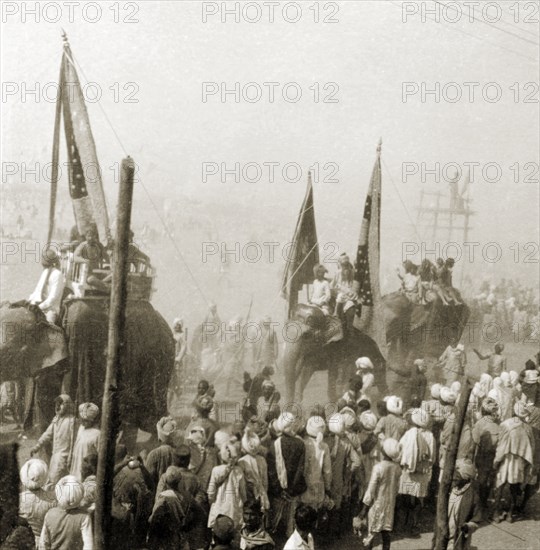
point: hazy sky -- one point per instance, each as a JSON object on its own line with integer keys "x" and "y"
{"x": 368, "y": 55}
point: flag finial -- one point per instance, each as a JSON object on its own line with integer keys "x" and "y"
{"x": 65, "y": 38}
{"x": 379, "y": 147}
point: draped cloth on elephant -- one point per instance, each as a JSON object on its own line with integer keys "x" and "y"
{"x": 28, "y": 343}
{"x": 367, "y": 263}
{"x": 147, "y": 362}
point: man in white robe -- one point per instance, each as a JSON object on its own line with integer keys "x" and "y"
{"x": 48, "y": 292}
{"x": 321, "y": 290}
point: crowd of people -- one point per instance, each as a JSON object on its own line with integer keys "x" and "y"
{"x": 280, "y": 477}
{"x": 508, "y": 303}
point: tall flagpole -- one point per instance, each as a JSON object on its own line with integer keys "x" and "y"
{"x": 56, "y": 145}
{"x": 116, "y": 346}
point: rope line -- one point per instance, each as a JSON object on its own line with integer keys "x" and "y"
{"x": 179, "y": 253}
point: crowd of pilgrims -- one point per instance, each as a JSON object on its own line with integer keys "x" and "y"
{"x": 287, "y": 479}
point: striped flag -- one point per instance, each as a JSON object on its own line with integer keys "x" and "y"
{"x": 303, "y": 255}
{"x": 84, "y": 171}
{"x": 367, "y": 261}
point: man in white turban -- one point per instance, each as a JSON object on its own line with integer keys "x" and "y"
{"x": 346, "y": 462}
{"x": 380, "y": 498}
{"x": 417, "y": 458}
{"x": 318, "y": 468}
{"x": 87, "y": 441}
{"x": 514, "y": 459}
{"x": 67, "y": 526}
{"x": 34, "y": 501}
{"x": 286, "y": 481}
{"x": 392, "y": 425}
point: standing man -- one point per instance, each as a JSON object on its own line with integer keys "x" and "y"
{"x": 496, "y": 360}
{"x": 179, "y": 372}
{"x": 286, "y": 481}
{"x": 453, "y": 361}
{"x": 48, "y": 292}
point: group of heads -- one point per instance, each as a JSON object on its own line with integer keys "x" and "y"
{"x": 447, "y": 395}
{"x": 88, "y": 412}
{"x": 70, "y": 492}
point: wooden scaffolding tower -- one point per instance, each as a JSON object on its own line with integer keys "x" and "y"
{"x": 445, "y": 218}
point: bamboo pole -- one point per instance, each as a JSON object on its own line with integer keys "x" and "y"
{"x": 116, "y": 343}
{"x": 440, "y": 535}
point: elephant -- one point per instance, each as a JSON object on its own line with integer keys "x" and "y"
{"x": 28, "y": 343}
{"x": 147, "y": 361}
{"x": 422, "y": 330}
{"x": 418, "y": 331}
{"x": 146, "y": 367}
{"x": 308, "y": 351}
{"x": 412, "y": 331}
{"x": 31, "y": 347}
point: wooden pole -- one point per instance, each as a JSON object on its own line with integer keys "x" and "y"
{"x": 440, "y": 535}
{"x": 436, "y": 217}
{"x": 115, "y": 349}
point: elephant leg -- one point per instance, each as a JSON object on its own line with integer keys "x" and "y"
{"x": 292, "y": 372}
{"x": 332, "y": 384}
{"x": 28, "y": 413}
{"x": 305, "y": 376}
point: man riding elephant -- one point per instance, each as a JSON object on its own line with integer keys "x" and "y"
{"x": 50, "y": 359}
{"x": 49, "y": 290}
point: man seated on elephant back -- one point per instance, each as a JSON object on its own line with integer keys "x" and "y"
{"x": 92, "y": 253}
{"x": 48, "y": 292}
{"x": 321, "y": 289}
{"x": 346, "y": 297}
{"x": 445, "y": 280}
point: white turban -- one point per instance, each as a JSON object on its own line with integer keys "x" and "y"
{"x": 69, "y": 492}
{"x": 88, "y": 411}
{"x": 34, "y": 474}
{"x": 448, "y": 396}
{"x": 364, "y": 363}
{"x": 368, "y": 420}
{"x": 250, "y": 442}
{"x": 284, "y": 422}
{"x": 456, "y": 387}
{"x": 436, "y": 391}
{"x": 336, "y": 423}
{"x": 315, "y": 426}
{"x": 349, "y": 416}
{"x": 394, "y": 405}
{"x": 165, "y": 427}
{"x": 221, "y": 437}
